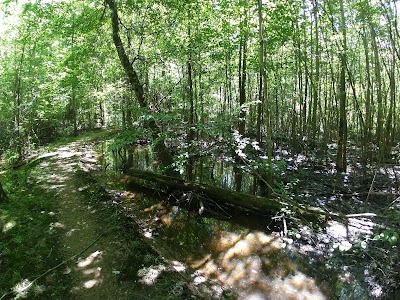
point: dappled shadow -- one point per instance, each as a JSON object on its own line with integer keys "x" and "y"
{"x": 304, "y": 261}
{"x": 251, "y": 263}
{"x": 91, "y": 269}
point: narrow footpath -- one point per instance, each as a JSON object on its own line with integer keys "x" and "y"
{"x": 93, "y": 271}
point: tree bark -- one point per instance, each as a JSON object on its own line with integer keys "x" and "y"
{"x": 262, "y": 71}
{"x": 243, "y": 75}
{"x": 368, "y": 100}
{"x": 3, "y": 196}
{"x": 378, "y": 78}
{"x": 123, "y": 57}
{"x": 223, "y": 198}
{"x": 316, "y": 84}
{"x": 191, "y": 133}
{"x": 161, "y": 150}
{"x": 341, "y": 157}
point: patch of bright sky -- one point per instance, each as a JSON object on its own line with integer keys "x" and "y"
{"x": 13, "y": 9}
{"x": 10, "y": 19}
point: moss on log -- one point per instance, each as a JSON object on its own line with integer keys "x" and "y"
{"x": 225, "y": 197}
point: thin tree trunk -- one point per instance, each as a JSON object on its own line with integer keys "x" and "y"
{"x": 389, "y": 121}
{"x": 264, "y": 90}
{"x": 17, "y": 95}
{"x": 262, "y": 70}
{"x": 242, "y": 78}
{"x": 190, "y": 97}
{"x": 378, "y": 78}
{"x": 74, "y": 105}
{"x": 314, "y": 127}
{"x": 368, "y": 115}
{"x": 74, "y": 108}
{"x": 341, "y": 157}
{"x": 191, "y": 108}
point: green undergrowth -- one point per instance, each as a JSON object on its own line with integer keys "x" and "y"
{"x": 28, "y": 245}
{"x": 139, "y": 257}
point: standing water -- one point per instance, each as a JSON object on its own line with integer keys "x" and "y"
{"x": 241, "y": 254}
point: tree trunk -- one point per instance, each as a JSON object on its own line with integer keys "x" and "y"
{"x": 17, "y": 95}
{"x": 341, "y": 157}
{"x": 3, "y": 196}
{"x": 191, "y": 133}
{"x": 190, "y": 92}
{"x": 261, "y": 75}
{"x": 314, "y": 127}
{"x": 378, "y": 78}
{"x": 123, "y": 57}
{"x": 160, "y": 149}
{"x": 263, "y": 96}
{"x": 368, "y": 114}
{"x": 390, "y": 115}
{"x": 243, "y": 76}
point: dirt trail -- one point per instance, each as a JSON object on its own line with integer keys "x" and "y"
{"x": 94, "y": 271}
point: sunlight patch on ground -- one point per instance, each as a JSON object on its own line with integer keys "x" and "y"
{"x": 68, "y": 154}
{"x": 47, "y": 155}
{"x": 83, "y": 263}
{"x": 88, "y": 269}
{"x": 178, "y": 266}
{"x": 71, "y": 231}
{"x": 337, "y": 230}
{"x": 8, "y": 226}
{"x": 56, "y": 225}
{"x": 21, "y": 289}
{"x": 199, "y": 277}
{"x": 149, "y": 275}
{"x": 90, "y": 283}
{"x": 343, "y": 236}
{"x": 148, "y": 233}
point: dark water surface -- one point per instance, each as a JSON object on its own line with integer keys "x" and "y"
{"x": 238, "y": 252}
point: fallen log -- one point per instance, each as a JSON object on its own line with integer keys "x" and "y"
{"x": 228, "y": 198}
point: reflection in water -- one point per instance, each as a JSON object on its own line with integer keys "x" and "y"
{"x": 137, "y": 157}
{"x": 251, "y": 262}
{"x": 256, "y": 266}
{"x": 204, "y": 169}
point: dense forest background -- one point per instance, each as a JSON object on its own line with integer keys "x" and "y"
{"x": 307, "y": 75}
{"x": 295, "y": 101}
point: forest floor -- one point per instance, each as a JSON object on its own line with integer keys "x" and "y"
{"x": 64, "y": 236}
{"x": 97, "y": 255}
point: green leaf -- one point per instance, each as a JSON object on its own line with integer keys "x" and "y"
{"x": 376, "y": 238}
{"x": 364, "y": 245}
{"x": 394, "y": 239}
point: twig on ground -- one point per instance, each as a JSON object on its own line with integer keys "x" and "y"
{"x": 370, "y": 188}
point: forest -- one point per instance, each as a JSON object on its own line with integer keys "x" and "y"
{"x": 278, "y": 117}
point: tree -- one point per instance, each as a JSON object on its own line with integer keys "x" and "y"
{"x": 202, "y": 69}
{"x": 134, "y": 81}
{"x": 341, "y": 154}
{"x": 3, "y": 196}
{"x": 316, "y": 85}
